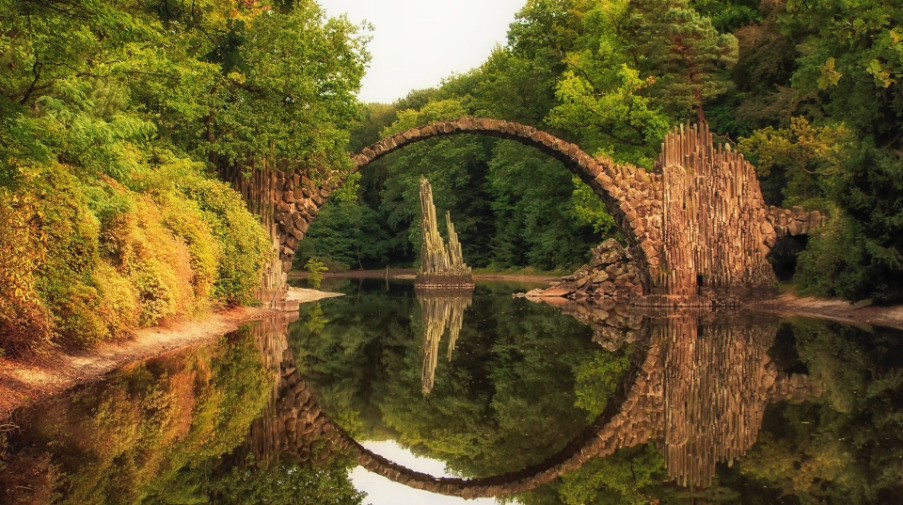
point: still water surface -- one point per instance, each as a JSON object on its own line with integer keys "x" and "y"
{"x": 430, "y": 397}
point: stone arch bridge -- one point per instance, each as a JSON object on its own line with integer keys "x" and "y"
{"x": 697, "y": 226}
{"x": 697, "y": 388}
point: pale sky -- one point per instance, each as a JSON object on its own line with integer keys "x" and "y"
{"x": 382, "y": 491}
{"x": 417, "y": 43}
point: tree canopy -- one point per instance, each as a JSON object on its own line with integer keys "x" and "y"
{"x": 810, "y": 92}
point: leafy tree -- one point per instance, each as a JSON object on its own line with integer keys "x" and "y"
{"x": 805, "y": 159}
{"x": 286, "y": 483}
{"x": 849, "y": 68}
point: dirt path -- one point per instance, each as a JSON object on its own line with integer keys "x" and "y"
{"x": 27, "y": 381}
{"x": 834, "y": 310}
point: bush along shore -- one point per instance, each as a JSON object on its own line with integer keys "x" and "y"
{"x": 116, "y": 119}
{"x": 86, "y": 261}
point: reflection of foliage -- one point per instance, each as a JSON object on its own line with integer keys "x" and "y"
{"x": 507, "y": 398}
{"x": 597, "y": 381}
{"x": 127, "y": 438}
{"x": 621, "y": 478}
{"x": 285, "y": 483}
{"x": 315, "y": 319}
{"x": 848, "y": 447}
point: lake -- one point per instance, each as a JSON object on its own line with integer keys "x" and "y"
{"x": 434, "y": 397}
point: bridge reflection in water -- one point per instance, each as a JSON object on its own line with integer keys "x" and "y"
{"x": 698, "y": 387}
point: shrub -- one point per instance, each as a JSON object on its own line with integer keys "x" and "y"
{"x": 119, "y": 306}
{"x": 245, "y": 247}
{"x": 162, "y": 270}
{"x": 154, "y": 284}
{"x": 24, "y": 320}
{"x": 72, "y": 239}
{"x": 831, "y": 265}
{"x": 86, "y": 260}
{"x": 184, "y": 219}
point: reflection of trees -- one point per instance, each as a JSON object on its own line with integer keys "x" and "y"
{"x": 442, "y": 312}
{"x": 701, "y": 393}
{"x": 509, "y": 399}
{"x": 700, "y": 390}
{"x": 142, "y": 434}
{"x": 170, "y": 430}
{"x": 848, "y": 448}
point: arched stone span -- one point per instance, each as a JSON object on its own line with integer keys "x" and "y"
{"x": 621, "y": 188}
{"x": 698, "y": 226}
{"x": 625, "y": 190}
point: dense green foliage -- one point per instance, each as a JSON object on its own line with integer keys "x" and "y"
{"x": 811, "y": 91}
{"x": 115, "y": 118}
{"x": 501, "y": 402}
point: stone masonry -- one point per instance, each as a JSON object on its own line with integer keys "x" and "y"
{"x": 697, "y": 227}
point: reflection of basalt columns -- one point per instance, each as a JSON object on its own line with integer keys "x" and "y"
{"x": 270, "y": 334}
{"x": 441, "y": 312}
{"x": 717, "y": 383}
{"x": 440, "y": 265}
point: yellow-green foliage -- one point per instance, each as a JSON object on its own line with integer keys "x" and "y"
{"x": 24, "y": 320}
{"x": 66, "y": 283}
{"x": 118, "y": 441}
{"x": 90, "y": 259}
{"x": 243, "y": 244}
{"x": 161, "y": 268}
{"x": 184, "y": 218}
{"x": 119, "y": 305}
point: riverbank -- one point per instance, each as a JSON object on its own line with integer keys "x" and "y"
{"x": 410, "y": 274}
{"x": 23, "y": 382}
{"x": 790, "y": 305}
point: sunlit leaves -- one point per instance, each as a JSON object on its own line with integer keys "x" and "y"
{"x": 618, "y": 120}
{"x": 808, "y": 156}
{"x": 829, "y": 75}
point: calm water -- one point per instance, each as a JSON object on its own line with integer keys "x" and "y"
{"x": 430, "y": 397}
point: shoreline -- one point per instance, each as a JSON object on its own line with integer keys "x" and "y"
{"x": 402, "y": 274}
{"x": 789, "y": 305}
{"x": 24, "y": 382}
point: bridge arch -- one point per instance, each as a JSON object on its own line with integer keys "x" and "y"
{"x": 625, "y": 190}
{"x": 698, "y": 227}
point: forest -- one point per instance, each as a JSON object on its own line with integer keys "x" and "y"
{"x": 117, "y": 119}
{"x": 808, "y": 91}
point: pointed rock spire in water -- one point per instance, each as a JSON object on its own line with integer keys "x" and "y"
{"x": 440, "y": 265}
